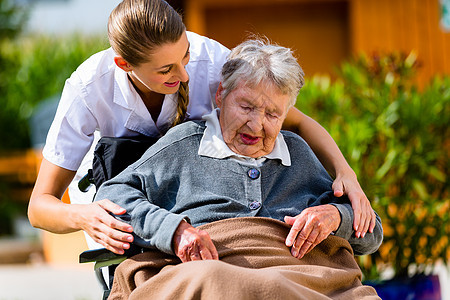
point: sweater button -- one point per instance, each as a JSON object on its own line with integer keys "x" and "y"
{"x": 255, "y": 205}
{"x": 253, "y": 173}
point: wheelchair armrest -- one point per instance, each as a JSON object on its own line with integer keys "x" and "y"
{"x": 104, "y": 258}
{"x": 103, "y": 254}
{"x": 98, "y": 255}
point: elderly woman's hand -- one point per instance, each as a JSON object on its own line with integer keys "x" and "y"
{"x": 364, "y": 220}
{"x": 311, "y": 227}
{"x": 190, "y": 243}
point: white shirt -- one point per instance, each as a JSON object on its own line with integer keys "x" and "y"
{"x": 99, "y": 99}
{"x": 213, "y": 145}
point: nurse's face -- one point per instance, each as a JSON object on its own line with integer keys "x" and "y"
{"x": 165, "y": 69}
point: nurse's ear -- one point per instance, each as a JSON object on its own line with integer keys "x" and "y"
{"x": 122, "y": 63}
{"x": 219, "y": 95}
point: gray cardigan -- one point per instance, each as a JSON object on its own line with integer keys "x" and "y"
{"x": 171, "y": 182}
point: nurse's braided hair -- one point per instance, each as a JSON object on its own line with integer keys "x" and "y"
{"x": 136, "y": 27}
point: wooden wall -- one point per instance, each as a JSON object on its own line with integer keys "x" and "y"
{"x": 316, "y": 32}
{"x": 402, "y": 25}
{"x": 324, "y": 32}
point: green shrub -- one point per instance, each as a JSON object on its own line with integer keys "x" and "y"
{"x": 34, "y": 69}
{"x": 12, "y": 19}
{"x": 397, "y": 139}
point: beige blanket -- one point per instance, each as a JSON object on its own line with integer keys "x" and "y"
{"x": 254, "y": 264}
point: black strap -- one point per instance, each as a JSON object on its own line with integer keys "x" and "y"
{"x": 112, "y": 155}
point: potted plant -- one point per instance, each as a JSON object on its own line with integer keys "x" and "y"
{"x": 396, "y": 137}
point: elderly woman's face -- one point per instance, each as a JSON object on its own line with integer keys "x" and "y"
{"x": 251, "y": 118}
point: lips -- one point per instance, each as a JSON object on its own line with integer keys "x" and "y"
{"x": 249, "y": 139}
{"x": 171, "y": 84}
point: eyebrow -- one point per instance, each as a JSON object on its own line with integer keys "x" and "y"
{"x": 170, "y": 65}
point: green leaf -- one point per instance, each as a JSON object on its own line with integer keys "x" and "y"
{"x": 436, "y": 173}
{"x": 387, "y": 164}
{"x": 420, "y": 188}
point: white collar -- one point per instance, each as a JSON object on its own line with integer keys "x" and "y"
{"x": 213, "y": 145}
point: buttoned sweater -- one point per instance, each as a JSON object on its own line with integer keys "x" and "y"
{"x": 171, "y": 182}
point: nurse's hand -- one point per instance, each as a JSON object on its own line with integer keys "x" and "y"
{"x": 96, "y": 221}
{"x": 364, "y": 216}
{"x": 190, "y": 243}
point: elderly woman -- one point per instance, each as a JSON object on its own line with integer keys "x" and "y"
{"x": 240, "y": 185}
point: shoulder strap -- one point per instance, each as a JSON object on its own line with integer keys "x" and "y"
{"x": 112, "y": 155}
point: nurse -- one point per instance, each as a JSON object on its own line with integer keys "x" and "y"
{"x": 154, "y": 76}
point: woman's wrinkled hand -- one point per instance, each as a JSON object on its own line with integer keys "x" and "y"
{"x": 96, "y": 220}
{"x": 310, "y": 227}
{"x": 364, "y": 216}
{"x": 190, "y": 243}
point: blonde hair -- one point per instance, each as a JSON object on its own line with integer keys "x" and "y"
{"x": 256, "y": 61}
{"x": 137, "y": 27}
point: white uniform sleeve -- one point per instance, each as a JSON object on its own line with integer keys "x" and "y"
{"x": 71, "y": 133}
{"x": 204, "y": 68}
{"x": 219, "y": 57}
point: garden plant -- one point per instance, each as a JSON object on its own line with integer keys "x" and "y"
{"x": 396, "y": 136}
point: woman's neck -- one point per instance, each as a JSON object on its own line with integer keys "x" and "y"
{"x": 153, "y": 101}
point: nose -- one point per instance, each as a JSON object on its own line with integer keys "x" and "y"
{"x": 182, "y": 75}
{"x": 255, "y": 122}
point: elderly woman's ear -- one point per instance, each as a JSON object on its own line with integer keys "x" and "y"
{"x": 219, "y": 95}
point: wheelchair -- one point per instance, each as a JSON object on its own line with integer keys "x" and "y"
{"x": 111, "y": 156}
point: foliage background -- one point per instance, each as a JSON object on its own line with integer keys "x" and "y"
{"x": 32, "y": 69}
{"x": 397, "y": 139}
{"x": 36, "y": 68}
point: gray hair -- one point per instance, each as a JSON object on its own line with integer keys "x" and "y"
{"x": 256, "y": 61}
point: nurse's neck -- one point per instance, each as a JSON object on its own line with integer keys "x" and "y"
{"x": 152, "y": 100}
